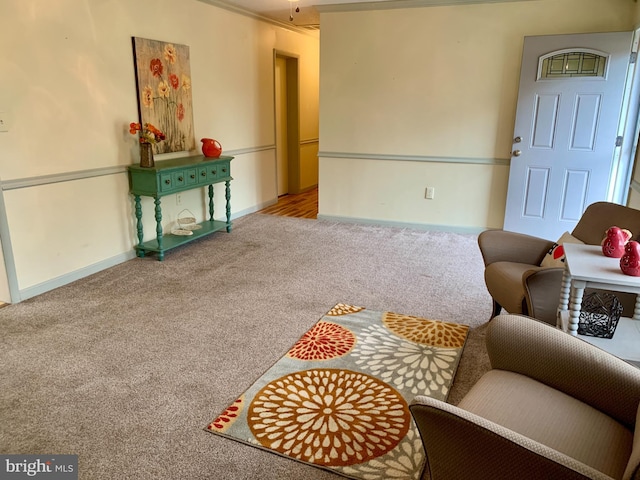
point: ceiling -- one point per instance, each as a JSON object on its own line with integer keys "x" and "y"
{"x": 309, "y": 15}
{"x": 280, "y": 11}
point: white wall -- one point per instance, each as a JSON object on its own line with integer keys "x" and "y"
{"x": 68, "y": 87}
{"x": 426, "y": 96}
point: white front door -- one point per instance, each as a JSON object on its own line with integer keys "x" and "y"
{"x": 569, "y": 106}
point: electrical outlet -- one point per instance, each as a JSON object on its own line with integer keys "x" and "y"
{"x": 178, "y": 199}
{"x": 429, "y": 193}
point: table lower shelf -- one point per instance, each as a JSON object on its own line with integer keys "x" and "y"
{"x": 624, "y": 344}
{"x": 170, "y": 241}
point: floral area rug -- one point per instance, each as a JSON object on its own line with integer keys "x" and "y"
{"x": 339, "y": 398}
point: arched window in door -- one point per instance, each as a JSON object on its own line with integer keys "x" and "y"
{"x": 572, "y": 63}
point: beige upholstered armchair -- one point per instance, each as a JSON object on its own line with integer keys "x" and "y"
{"x": 552, "y": 406}
{"x": 513, "y": 273}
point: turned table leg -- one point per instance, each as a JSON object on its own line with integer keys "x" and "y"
{"x": 156, "y": 200}
{"x": 577, "y": 292}
{"x": 211, "y": 202}
{"x": 565, "y": 290}
{"x": 636, "y": 311}
{"x": 139, "y": 251}
{"x": 228, "y": 198}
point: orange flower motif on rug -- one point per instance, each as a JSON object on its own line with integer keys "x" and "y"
{"x": 326, "y": 340}
{"x": 329, "y": 417}
{"x": 338, "y": 399}
{"x": 343, "y": 309}
{"x": 429, "y": 332}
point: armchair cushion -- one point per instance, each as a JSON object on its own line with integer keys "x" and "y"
{"x": 461, "y": 444}
{"x": 550, "y": 356}
{"x": 552, "y": 418}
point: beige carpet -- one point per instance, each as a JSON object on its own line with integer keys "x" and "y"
{"x": 126, "y": 367}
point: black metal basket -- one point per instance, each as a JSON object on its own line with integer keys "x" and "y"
{"x": 599, "y": 315}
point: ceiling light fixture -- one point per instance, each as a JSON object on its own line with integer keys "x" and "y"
{"x": 291, "y": 2}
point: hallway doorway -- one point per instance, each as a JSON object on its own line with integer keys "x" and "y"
{"x": 287, "y": 123}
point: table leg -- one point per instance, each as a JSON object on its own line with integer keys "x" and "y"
{"x": 211, "y": 202}
{"x": 636, "y": 311}
{"x": 228, "y": 198}
{"x": 139, "y": 251}
{"x": 156, "y": 200}
{"x": 565, "y": 290}
{"x": 577, "y": 292}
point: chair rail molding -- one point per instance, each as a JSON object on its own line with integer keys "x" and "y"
{"x": 18, "y": 295}
{"x": 415, "y": 158}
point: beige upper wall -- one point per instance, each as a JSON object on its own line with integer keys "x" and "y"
{"x": 434, "y": 83}
{"x": 68, "y": 85}
{"x": 68, "y": 75}
{"x": 439, "y": 81}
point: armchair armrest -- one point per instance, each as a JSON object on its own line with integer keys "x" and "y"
{"x": 460, "y": 444}
{"x": 504, "y": 246}
{"x": 542, "y": 293}
{"x": 523, "y": 345}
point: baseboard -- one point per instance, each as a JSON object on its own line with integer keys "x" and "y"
{"x": 75, "y": 275}
{"x": 415, "y": 226}
{"x": 70, "y": 277}
{"x": 254, "y": 209}
{"x": 67, "y": 278}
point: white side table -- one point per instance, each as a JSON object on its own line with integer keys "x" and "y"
{"x": 586, "y": 266}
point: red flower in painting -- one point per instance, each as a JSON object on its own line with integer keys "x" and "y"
{"x": 156, "y": 67}
{"x": 174, "y": 81}
{"x": 180, "y": 112}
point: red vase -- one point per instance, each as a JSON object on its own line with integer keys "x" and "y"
{"x": 615, "y": 241}
{"x": 630, "y": 261}
{"x": 211, "y": 148}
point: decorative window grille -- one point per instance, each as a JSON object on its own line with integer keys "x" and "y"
{"x": 571, "y": 64}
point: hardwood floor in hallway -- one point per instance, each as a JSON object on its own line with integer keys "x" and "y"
{"x": 303, "y": 205}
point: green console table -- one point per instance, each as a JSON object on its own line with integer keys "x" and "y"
{"x": 168, "y": 177}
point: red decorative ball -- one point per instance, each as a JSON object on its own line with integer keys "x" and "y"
{"x": 630, "y": 261}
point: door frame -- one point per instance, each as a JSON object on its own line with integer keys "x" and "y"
{"x": 629, "y": 130}
{"x": 293, "y": 117}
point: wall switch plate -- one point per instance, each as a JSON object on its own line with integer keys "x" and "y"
{"x": 178, "y": 199}
{"x": 4, "y": 122}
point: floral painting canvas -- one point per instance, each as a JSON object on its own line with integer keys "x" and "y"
{"x": 163, "y": 77}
